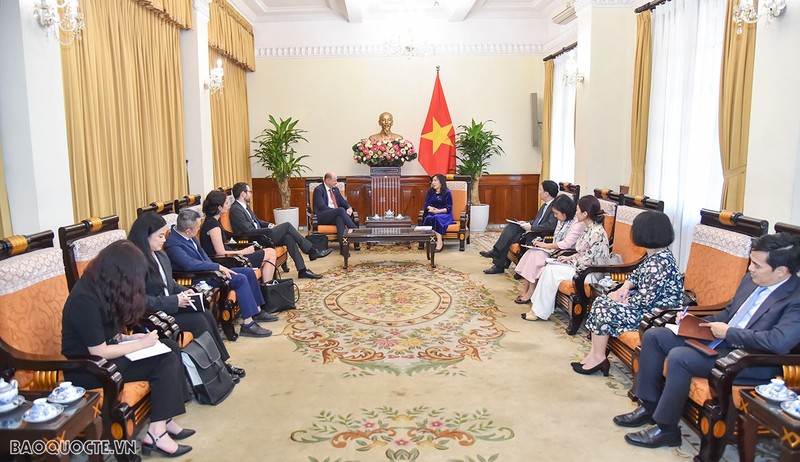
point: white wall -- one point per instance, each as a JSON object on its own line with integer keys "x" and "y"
{"x": 338, "y": 101}
{"x": 773, "y": 168}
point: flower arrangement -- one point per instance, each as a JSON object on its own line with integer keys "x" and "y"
{"x": 385, "y": 153}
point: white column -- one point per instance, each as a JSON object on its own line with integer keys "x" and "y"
{"x": 606, "y": 48}
{"x": 32, "y": 123}
{"x": 196, "y": 102}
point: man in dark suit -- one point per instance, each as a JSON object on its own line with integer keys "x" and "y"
{"x": 244, "y": 221}
{"x": 186, "y": 254}
{"x": 763, "y": 315}
{"x": 331, "y": 208}
{"x": 544, "y": 223}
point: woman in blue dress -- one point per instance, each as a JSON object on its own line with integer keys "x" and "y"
{"x": 438, "y": 210}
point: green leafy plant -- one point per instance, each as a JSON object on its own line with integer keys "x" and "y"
{"x": 475, "y": 145}
{"x": 275, "y": 152}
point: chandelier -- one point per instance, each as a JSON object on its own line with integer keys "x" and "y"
{"x": 408, "y": 47}
{"x": 746, "y": 12}
{"x": 60, "y": 18}
{"x": 215, "y": 79}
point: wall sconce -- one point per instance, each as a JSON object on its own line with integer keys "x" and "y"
{"x": 571, "y": 74}
{"x": 67, "y": 24}
{"x": 746, "y": 12}
{"x": 215, "y": 82}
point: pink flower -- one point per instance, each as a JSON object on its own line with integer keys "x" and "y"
{"x": 402, "y": 442}
{"x": 437, "y": 424}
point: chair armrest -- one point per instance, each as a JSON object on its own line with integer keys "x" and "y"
{"x": 727, "y": 368}
{"x": 462, "y": 221}
{"x": 580, "y": 277}
{"x": 419, "y": 218}
{"x": 356, "y": 219}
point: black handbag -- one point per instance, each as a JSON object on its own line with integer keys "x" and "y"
{"x": 211, "y": 382}
{"x": 280, "y": 295}
{"x": 319, "y": 241}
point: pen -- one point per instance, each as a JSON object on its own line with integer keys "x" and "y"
{"x": 683, "y": 313}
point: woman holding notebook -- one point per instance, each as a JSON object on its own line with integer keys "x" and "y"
{"x": 104, "y": 304}
{"x": 567, "y": 232}
{"x": 438, "y": 209}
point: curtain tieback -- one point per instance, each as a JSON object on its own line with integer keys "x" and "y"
{"x": 727, "y": 175}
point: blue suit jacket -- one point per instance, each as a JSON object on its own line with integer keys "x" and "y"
{"x": 775, "y": 327}
{"x": 320, "y": 203}
{"x": 185, "y": 257}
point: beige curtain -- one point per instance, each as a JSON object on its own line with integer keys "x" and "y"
{"x": 5, "y": 211}
{"x": 547, "y": 118}
{"x": 124, "y": 105}
{"x": 177, "y": 12}
{"x": 231, "y": 34}
{"x": 734, "y": 108}
{"x": 640, "y": 109}
{"x": 230, "y": 126}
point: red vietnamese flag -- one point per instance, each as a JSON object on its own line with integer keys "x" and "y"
{"x": 437, "y": 147}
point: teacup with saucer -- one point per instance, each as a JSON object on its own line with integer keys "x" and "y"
{"x": 42, "y": 411}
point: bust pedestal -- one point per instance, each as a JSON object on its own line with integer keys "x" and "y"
{"x": 385, "y": 189}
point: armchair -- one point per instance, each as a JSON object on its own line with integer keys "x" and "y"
{"x": 311, "y": 218}
{"x": 82, "y": 242}
{"x": 609, "y": 201}
{"x": 30, "y": 335}
{"x": 461, "y": 188}
{"x": 165, "y": 209}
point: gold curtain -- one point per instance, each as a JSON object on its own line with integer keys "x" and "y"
{"x": 230, "y": 126}
{"x": 5, "y": 212}
{"x": 231, "y": 34}
{"x": 547, "y": 119}
{"x": 177, "y": 12}
{"x": 640, "y": 110}
{"x": 736, "y": 90}
{"x": 124, "y": 104}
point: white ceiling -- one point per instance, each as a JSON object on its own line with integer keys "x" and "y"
{"x": 358, "y": 11}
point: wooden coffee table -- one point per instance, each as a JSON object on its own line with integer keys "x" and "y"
{"x": 758, "y": 411}
{"x": 390, "y": 235}
{"x": 82, "y": 416}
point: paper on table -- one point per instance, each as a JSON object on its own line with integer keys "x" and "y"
{"x": 423, "y": 228}
{"x": 155, "y": 350}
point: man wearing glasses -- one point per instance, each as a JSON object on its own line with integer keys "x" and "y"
{"x": 244, "y": 221}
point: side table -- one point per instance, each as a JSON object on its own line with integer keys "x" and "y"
{"x": 82, "y": 416}
{"x": 758, "y": 411}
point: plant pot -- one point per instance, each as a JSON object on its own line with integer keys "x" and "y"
{"x": 290, "y": 215}
{"x": 478, "y": 218}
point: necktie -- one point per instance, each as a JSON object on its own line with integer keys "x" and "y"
{"x": 540, "y": 214}
{"x": 743, "y": 312}
{"x": 333, "y": 199}
{"x": 253, "y": 217}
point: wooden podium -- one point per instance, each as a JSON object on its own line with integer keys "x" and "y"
{"x": 385, "y": 189}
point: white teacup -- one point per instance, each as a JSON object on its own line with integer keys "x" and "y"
{"x": 41, "y": 409}
{"x": 65, "y": 391}
{"x": 777, "y": 388}
{"x": 8, "y": 391}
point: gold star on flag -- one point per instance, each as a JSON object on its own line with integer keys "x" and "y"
{"x": 439, "y": 135}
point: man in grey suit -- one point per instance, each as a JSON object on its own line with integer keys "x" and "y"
{"x": 763, "y": 315}
{"x": 244, "y": 221}
{"x": 544, "y": 223}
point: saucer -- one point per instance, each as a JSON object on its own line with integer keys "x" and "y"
{"x": 762, "y": 391}
{"x": 27, "y": 415}
{"x": 79, "y": 392}
{"x": 790, "y": 408}
{"x": 15, "y": 403}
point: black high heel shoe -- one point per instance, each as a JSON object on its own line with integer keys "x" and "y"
{"x": 147, "y": 449}
{"x": 184, "y": 433}
{"x": 604, "y": 366}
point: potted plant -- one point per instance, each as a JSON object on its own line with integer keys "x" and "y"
{"x": 475, "y": 145}
{"x": 275, "y": 152}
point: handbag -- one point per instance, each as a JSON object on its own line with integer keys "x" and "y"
{"x": 211, "y": 382}
{"x": 319, "y": 241}
{"x": 280, "y": 295}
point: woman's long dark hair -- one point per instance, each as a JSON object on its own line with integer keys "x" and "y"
{"x": 442, "y": 183}
{"x": 141, "y": 230}
{"x": 117, "y": 277}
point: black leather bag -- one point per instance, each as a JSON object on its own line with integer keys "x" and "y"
{"x": 210, "y": 380}
{"x": 280, "y": 295}
{"x": 319, "y": 241}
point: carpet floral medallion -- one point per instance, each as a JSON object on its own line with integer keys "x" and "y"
{"x": 403, "y": 434}
{"x": 396, "y": 317}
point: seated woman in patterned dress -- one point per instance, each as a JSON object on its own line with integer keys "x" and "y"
{"x": 591, "y": 248}
{"x": 655, "y": 283}
{"x": 567, "y": 232}
{"x": 438, "y": 209}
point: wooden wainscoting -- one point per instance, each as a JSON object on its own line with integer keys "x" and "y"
{"x": 510, "y": 196}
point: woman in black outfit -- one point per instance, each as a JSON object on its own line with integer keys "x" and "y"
{"x": 105, "y": 302}
{"x": 148, "y": 232}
